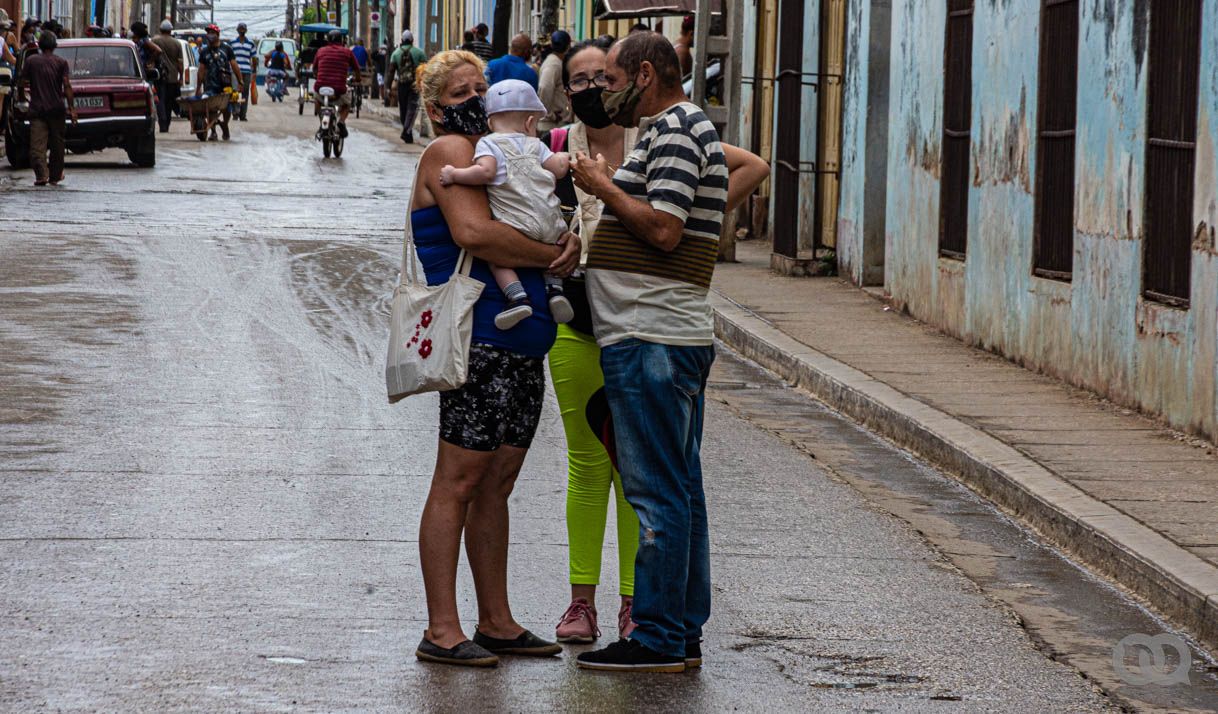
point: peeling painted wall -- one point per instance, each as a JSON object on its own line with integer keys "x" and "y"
{"x": 855, "y": 114}
{"x": 1096, "y": 331}
{"x": 862, "y": 202}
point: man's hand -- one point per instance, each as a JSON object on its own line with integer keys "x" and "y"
{"x": 568, "y": 260}
{"x": 75, "y": 119}
{"x": 592, "y": 175}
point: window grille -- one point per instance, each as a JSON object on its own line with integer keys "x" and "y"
{"x": 1173, "y": 66}
{"x": 957, "y": 125}
{"x": 1057, "y": 114}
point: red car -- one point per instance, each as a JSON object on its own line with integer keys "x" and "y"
{"x": 115, "y": 103}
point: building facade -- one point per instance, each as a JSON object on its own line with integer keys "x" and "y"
{"x": 1039, "y": 179}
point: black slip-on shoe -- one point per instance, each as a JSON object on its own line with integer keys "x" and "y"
{"x": 526, "y": 644}
{"x": 465, "y": 654}
{"x": 693, "y": 655}
{"x": 630, "y": 656}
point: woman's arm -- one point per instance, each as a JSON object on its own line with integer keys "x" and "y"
{"x": 745, "y": 172}
{"x": 468, "y": 214}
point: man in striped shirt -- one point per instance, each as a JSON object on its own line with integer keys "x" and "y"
{"x": 244, "y": 51}
{"x": 649, "y": 269}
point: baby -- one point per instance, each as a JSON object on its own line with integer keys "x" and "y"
{"x": 519, "y": 174}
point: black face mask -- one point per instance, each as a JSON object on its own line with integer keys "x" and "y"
{"x": 468, "y": 117}
{"x": 589, "y": 109}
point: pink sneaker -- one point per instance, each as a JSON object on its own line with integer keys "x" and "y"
{"x": 578, "y": 624}
{"x": 625, "y": 625}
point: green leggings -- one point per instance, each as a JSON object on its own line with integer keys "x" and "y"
{"x": 575, "y": 366}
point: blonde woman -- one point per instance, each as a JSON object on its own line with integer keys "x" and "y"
{"x": 486, "y": 426}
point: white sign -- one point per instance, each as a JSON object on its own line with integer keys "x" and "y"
{"x": 374, "y": 16}
{"x": 331, "y": 17}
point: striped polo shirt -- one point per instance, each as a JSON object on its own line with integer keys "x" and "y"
{"x": 243, "y": 50}
{"x": 635, "y": 289}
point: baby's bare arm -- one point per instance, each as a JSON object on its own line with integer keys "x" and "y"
{"x": 558, "y": 164}
{"x": 480, "y": 173}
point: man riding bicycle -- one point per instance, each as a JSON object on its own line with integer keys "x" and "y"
{"x": 330, "y": 68}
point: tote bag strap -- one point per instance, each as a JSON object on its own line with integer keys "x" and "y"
{"x": 409, "y": 274}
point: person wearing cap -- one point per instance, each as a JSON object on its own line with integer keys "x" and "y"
{"x": 245, "y": 52}
{"x": 515, "y": 64}
{"x": 550, "y": 87}
{"x": 481, "y": 47}
{"x": 170, "y": 86}
{"x": 217, "y": 65}
{"x": 404, "y": 64}
{"x": 519, "y": 173}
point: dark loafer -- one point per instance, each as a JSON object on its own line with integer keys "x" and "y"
{"x": 526, "y": 644}
{"x": 465, "y": 654}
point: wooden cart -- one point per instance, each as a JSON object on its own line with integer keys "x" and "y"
{"x": 203, "y": 112}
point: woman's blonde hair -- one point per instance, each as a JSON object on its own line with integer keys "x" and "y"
{"x": 434, "y": 75}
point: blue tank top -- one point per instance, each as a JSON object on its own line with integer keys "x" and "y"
{"x": 434, "y": 244}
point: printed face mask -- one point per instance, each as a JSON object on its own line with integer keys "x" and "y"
{"x": 468, "y": 117}
{"x": 620, "y": 104}
{"x": 589, "y": 108}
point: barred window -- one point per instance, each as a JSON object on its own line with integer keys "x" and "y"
{"x": 1057, "y": 115}
{"x": 1173, "y": 67}
{"x": 957, "y": 125}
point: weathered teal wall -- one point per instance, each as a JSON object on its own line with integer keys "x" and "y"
{"x": 855, "y": 114}
{"x": 1095, "y": 331}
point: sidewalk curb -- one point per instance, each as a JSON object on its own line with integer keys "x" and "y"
{"x": 1179, "y": 584}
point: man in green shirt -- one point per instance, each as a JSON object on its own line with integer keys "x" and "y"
{"x": 403, "y": 64}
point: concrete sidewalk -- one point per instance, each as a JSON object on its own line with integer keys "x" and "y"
{"x": 1131, "y": 498}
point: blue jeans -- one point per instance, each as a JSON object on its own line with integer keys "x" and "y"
{"x": 656, "y": 394}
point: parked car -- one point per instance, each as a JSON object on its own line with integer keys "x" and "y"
{"x": 265, "y": 46}
{"x": 114, "y": 102}
{"x": 192, "y": 67}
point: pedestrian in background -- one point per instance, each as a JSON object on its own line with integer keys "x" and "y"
{"x": 515, "y": 64}
{"x": 550, "y": 85}
{"x": 403, "y": 66}
{"x": 379, "y": 58}
{"x": 481, "y": 47}
{"x": 217, "y": 65}
{"x": 649, "y": 271}
{"x": 467, "y": 41}
{"x": 243, "y": 50}
{"x": 488, "y": 424}
{"x": 685, "y": 46}
{"x": 361, "y": 54}
{"x": 51, "y": 100}
{"x": 8, "y": 64}
{"x": 173, "y": 69}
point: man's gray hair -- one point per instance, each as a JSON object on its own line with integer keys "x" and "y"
{"x": 639, "y": 47}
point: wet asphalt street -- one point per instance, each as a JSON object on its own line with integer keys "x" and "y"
{"x": 206, "y": 503}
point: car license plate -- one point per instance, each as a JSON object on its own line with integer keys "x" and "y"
{"x": 90, "y": 102}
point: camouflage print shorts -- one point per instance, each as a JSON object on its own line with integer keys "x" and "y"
{"x": 499, "y": 404}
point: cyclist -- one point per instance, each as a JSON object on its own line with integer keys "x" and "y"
{"x": 330, "y": 68}
{"x": 278, "y": 65}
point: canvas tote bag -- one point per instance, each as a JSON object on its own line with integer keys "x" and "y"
{"x": 430, "y": 327}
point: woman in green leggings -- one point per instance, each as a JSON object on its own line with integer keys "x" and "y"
{"x": 575, "y": 357}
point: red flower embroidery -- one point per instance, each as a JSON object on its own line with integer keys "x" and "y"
{"x": 426, "y": 318}
{"x": 425, "y": 349}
